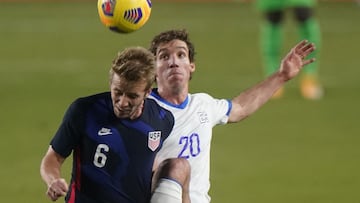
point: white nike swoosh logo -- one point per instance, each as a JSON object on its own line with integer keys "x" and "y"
{"x": 104, "y": 131}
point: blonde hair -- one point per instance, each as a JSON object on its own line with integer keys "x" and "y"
{"x": 134, "y": 64}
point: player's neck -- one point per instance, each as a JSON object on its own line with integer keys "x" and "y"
{"x": 175, "y": 95}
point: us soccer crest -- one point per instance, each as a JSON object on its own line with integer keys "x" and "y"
{"x": 154, "y": 140}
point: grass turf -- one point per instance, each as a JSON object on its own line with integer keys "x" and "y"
{"x": 291, "y": 150}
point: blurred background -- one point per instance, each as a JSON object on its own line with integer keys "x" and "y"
{"x": 291, "y": 150}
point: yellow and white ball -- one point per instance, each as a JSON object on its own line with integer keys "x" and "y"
{"x": 124, "y": 16}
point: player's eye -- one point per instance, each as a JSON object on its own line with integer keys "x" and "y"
{"x": 182, "y": 55}
{"x": 118, "y": 92}
{"x": 164, "y": 56}
{"x": 132, "y": 96}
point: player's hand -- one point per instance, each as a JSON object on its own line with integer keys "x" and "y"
{"x": 296, "y": 59}
{"x": 57, "y": 188}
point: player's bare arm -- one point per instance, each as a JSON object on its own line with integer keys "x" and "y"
{"x": 253, "y": 98}
{"x": 50, "y": 172}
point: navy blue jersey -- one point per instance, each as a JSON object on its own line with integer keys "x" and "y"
{"x": 112, "y": 157}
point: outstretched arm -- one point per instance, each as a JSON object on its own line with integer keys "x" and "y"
{"x": 253, "y": 98}
{"x": 50, "y": 173}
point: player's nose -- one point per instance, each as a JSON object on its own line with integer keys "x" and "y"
{"x": 173, "y": 62}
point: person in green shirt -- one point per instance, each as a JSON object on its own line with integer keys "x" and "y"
{"x": 271, "y": 38}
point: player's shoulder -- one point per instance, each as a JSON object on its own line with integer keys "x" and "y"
{"x": 153, "y": 107}
{"x": 201, "y": 95}
{"x": 93, "y": 97}
{"x": 201, "y": 98}
{"x": 87, "y": 102}
{"x": 204, "y": 99}
{"x": 90, "y": 99}
{"x": 157, "y": 115}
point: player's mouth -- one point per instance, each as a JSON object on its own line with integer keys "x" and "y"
{"x": 175, "y": 73}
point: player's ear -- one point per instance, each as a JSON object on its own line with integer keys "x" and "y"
{"x": 192, "y": 67}
{"x": 147, "y": 92}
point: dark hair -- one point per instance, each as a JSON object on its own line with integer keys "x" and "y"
{"x": 167, "y": 36}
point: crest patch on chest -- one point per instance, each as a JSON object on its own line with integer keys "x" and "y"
{"x": 203, "y": 117}
{"x": 154, "y": 140}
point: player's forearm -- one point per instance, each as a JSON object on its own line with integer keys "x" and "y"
{"x": 49, "y": 172}
{"x": 253, "y": 98}
{"x": 50, "y": 167}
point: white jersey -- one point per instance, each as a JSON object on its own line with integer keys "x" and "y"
{"x": 191, "y": 137}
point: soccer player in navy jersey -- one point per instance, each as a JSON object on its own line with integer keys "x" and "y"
{"x": 113, "y": 136}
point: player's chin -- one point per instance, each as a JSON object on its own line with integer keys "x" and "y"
{"x": 122, "y": 113}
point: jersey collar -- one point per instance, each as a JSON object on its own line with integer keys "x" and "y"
{"x": 155, "y": 94}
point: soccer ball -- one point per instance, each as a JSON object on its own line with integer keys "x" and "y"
{"x": 124, "y": 16}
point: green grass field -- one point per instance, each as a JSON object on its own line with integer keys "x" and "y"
{"x": 291, "y": 150}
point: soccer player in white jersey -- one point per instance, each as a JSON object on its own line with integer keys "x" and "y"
{"x": 196, "y": 114}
